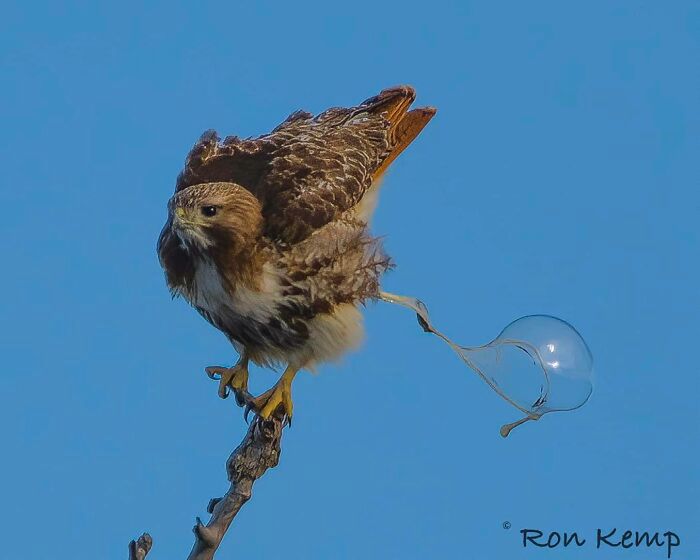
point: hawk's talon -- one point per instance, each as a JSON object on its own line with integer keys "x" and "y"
{"x": 278, "y": 398}
{"x": 235, "y": 378}
{"x": 223, "y": 391}
{"x": 246, "y": 412}
{"x": 214, "y": 372}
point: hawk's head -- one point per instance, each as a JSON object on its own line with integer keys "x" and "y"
{"x": 212, "y": 216}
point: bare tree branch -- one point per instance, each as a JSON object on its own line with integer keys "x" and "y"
{"x": 139, "y": 548}
{"x": 259, "y": 451}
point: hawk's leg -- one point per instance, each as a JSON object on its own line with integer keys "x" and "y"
{"x": 280, "y": 396}
{"x": 235, "y": 378}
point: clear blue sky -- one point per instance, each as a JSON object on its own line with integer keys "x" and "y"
{"x": 560, "y": 176}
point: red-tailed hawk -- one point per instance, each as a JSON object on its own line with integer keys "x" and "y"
{"x": 268, "y": 238}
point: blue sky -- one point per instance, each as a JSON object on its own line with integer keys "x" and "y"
{"x": 559, "y": 176}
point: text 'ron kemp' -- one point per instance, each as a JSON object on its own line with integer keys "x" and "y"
{"x": 604, "y": 538}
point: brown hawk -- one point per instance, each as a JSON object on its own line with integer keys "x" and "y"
{"x": 268, "y": 237}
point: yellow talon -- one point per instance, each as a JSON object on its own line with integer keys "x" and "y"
{"x": 235, "y": 377}
{"x": 280, "y": 395}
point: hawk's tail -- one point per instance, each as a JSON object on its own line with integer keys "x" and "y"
{"x": 405, "y": 125}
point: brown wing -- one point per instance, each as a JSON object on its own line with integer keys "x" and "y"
{"x": 329, "y": 162}
{"x": 233, "y": 160}
{"x": 310, "y": 170}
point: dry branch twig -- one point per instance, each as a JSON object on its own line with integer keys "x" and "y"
{"x": 140, "y": 547}
{"x": 259, "y": 451}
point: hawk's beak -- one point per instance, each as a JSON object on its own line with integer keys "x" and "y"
{"x": 179, "y": 220}
{"x": 180, "y": 217}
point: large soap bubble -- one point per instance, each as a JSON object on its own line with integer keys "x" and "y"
{"x": 538, "y": 363}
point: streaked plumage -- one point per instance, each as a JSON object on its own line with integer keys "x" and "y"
{"x": 268, "y": 239}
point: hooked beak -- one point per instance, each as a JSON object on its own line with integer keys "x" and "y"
{"x": 180, "y": 218}
{"x": 188, "y": 229}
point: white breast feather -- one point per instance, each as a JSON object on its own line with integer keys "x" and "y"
{"x": 330, "y": 335}
{"x": 210, "y": 294}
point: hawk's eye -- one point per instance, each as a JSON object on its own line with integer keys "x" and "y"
{"x": 208, "y": 211}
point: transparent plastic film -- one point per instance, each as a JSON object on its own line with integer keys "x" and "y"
{"x": 538, "y": 363}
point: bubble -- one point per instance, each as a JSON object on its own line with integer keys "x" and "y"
{"x": 538, "y": 363}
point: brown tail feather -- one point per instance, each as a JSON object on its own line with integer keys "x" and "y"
{"x": 405, "y": 125}
{"x": 405, "y": 132}
{"x": 394, "y": 102}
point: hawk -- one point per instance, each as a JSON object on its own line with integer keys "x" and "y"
{"x": 267, "y": 238}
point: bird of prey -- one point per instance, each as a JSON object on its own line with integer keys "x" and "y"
{"x": 267, "y": 238}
